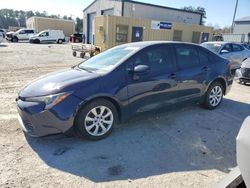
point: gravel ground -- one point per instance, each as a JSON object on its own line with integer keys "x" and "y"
{"x": 181, "y": 146}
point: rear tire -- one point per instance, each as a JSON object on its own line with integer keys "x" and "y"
{"x": 213, "y": 96}
{"x": 96, "y": 120}
{"x": 37, "y": 41}
{"x": 74, "y": 54}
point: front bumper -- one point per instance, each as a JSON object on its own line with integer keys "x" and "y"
{"x": 245, "y": 75}
{"x": 36, "y": 122}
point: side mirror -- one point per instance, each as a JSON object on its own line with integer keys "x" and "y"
{"x": 141, "y": 69}
{"x": 224, "y": 51}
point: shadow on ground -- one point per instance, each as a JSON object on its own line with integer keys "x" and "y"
{"x": 184, "y": 138}
{"x": 3, "y": 45}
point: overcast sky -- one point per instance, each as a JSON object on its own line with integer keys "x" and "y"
{"x": 219, "y": 12}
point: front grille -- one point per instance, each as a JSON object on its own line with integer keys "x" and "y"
{"x": 28, "y": 125}
{"x": 245, "y": 72}
{"x": 9, "y": 35}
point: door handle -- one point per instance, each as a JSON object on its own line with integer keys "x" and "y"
{"x": 172, "y": 76}
{"x": 205, "y": 68}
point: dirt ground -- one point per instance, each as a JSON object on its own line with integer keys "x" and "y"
{"x": 185, "y": 146}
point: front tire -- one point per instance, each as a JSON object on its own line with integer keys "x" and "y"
{"x": 15, "y": 39}
{"x": 96, "y": 120}
{"x": 60, "y": 41}
{"x": 214, "y": 96}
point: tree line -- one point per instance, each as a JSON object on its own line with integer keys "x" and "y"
{"x": 17, "y": 18}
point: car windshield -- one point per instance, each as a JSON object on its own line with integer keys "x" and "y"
{"x": 107, "y": 60}
{"x": 214, "y": 47}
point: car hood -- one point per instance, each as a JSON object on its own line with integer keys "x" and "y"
{"x": 57, "y": 82}
{"x": 10, "y": 32}
{"x": 246, "y": 64}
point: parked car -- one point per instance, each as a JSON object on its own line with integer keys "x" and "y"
{"x": 3, "y": 32}
{"x": 244, "y": 76}
{"x": 1, "y": 37}
{"x": 239, "y": 177}
{"x": 76, "y": 38}
{"x": 9, "y": 35}
{"x": 233, "y": 51}
{"x": 115, "y": 84}
{"x": 47, "y": 36}
{"x": 21, "y": 34}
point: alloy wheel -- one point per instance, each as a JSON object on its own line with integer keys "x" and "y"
{"x": 215, "y": 96}
{"x": 99, "y": 121}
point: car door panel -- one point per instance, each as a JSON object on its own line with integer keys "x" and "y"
{"x": 153, "y": 88}
{"x": 192, "y": 74}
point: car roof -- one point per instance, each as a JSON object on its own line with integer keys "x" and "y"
{"x": 144, "y": 44}
{"x": 221, "y": 42}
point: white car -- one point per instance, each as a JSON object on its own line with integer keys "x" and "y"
{"x": 21, "y": 34}
{"x": 234, "y": 52}
{"x": 48, "y": 36}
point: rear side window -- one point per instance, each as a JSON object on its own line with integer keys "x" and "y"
{"x": 186, "y": 56}
{"x": 237, "y": 48}
{"x": 227, "y": 47}
{"x": 204, "y": 57}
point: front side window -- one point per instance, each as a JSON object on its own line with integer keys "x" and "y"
{"x": 44, "y": 34}
{"x": 158, "y": 58}
{"x": 227, "y": 47}
{"x": 186, "y": 56}
{"x": 22, "y": 32}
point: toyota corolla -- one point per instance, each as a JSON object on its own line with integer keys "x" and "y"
{"x": 92, "y": 97}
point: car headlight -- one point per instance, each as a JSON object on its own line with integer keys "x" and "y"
{"x": 50, "y": 100}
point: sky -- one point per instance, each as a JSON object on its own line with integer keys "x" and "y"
{"x": 219, "y": 12}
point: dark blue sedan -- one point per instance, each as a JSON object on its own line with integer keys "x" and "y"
{"x": 92, "y": 97}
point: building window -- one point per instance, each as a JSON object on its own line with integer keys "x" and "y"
{"x": 122, "y": 33}
{"x": 177, "y": 35}
{"x": 196, "y": 37}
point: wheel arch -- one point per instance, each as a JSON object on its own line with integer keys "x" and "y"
{"x": 222, "y": 81}
{"x": 106, "y": 97}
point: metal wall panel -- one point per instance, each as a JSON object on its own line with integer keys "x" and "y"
{"x": 241, "y": 28}
{"x": 105, "y": 30}
{"x": 40, "y": 24}
{"x": 98, "y": 7}
{"x": 136, "y": 10}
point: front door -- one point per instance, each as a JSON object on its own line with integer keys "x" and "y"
{"x": 137, "y": 34}
{"x": 158, "y": 85}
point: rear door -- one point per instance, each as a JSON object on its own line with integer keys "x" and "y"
{"x": 238, "y": 54}
{"x": 156, "y": 86}
{"x": 192, "y": 73}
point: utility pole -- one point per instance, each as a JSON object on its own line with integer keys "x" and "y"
{"x": 235, "y": 10}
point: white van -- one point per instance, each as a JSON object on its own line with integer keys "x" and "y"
{"x": 48, "y": 36}
{"x": 21, "y": 34}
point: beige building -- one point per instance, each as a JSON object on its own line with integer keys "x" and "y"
{"x": 110, "y": 31}
{"x": 41, "y": 23}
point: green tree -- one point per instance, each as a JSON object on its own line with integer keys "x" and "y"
{"x": 199, "y": 9}
{"x": 79, "y": 25}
